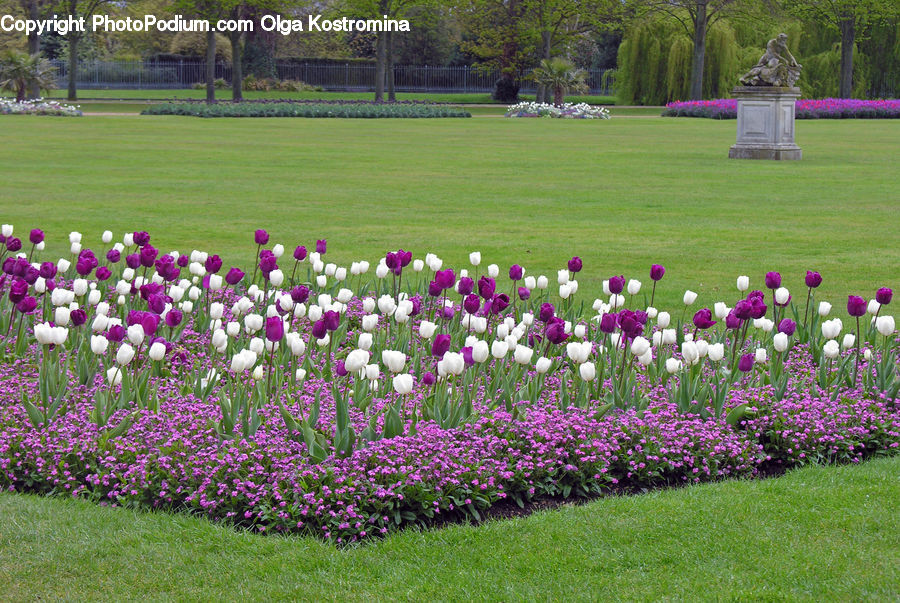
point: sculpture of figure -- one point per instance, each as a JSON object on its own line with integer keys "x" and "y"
{"x": 777, "y": 67}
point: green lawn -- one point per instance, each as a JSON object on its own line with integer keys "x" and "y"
{"x": 620, "y": 193}
{"x": 453, "y": 97}
{"x": 817, "y": 534}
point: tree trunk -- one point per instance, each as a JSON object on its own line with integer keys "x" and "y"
{"x": 237, "y": 71}
{"x": 558, "y": 97}
{"x": 210, "y": 66}
{"x": 848, "y": 39}
{"x": 546, "y": 39}
{"x": 34, "y": 44}
{"x": 390, "y": 66}
{"x": 699, "y": 54}
{"x": 73, "y": 65}
{"x": 380, "y": 59}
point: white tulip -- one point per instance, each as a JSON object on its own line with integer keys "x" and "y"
{"x": 278, "y": 250}
{"x": 831, "y": 329}
{"x": 716, "y": 352}
{"x": 157, "y": 351}
{"x": 523, "y": 354}
{"x": 633, "y": 287}
{"x": 453, "y": 363}
{"x": 782, "y": 295}
{"x": 257, "y": 345}
{"x": 314, "y": 313}
{"x": 216, "y": 282}
{"x": 61, "y": 316}
{"x": 530, "y": 282}
{"x": 673, "y": 365}
{"x": 250, "y": 357}
{"x": 381, "y": 270}
{"x": 322, "y": 280}
{"x": 831, "y": 349}
{"x": 63, "y": 265}
{"x": 743, "y": 283}
{"x": 125, "y": 354}
{"x": 580, "y": 331}
{"x": 426, "y": 329}
{"x": 542, "y": 283}
{"x": 114, "y": 376}
{"x": 403, "y": 384}
{"x": 479, "y": 324}
{"x": 761, "y": 355}
{"x": 107, "y": 236}
{"x": 493, "y": 270}
{"x": 565, "y": 291}
{"x": 824, "y": 308}
{"x": 253, "y": 323}
{"x": 237, "y": 363}
{"x": 99, "y": 344}
{"x": 562, "y": 276}
{"x": 480, "y": 351}
{"x": 6, "y": 230}
{"x": 849, "y": 341}
{"x": 721, "y": 310}
{"x": 499, "y": 349}
{"x": 647, "y": 358}
{"x": 372, "y": 372}
{"x": 475, "y": 258}
{"x": 873, "y": 307}
{"x": 587, "y": 371}
{"x": 365, "y": 341}
{"x": 663, "y": 319}
{"x": 616, "y": 301}
{"x": 258, "y": 373}
{"x": 669, "y": 336}
{"x": 219, "y": 338}
{"x": 216, "y": 310}
{"x": 393, "y": 360}
{"x": 702, "y": 348}
{"x": 640, "y": 346}
{"x": 689, "y": 352}
{"x": 101, "y": 322}
{"x": 418, "y": 265}
{"x": 689, "y": 297}
{"x": 369, "y": 322}
{"x": 387, "y": 305}
{"x": 344, "y": 295}
{"x": 356, "y": 360}
{"x": 885, "y": 325}
{"x": 780, "y": 342}
{"x": 186, "y": 306}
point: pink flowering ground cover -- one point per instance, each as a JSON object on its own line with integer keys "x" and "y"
{"x": 827, "y": 108}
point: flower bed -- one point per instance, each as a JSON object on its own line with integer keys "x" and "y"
{"x": 310, "y": 109}
{"x": 309, "y": 397}
{"x": 567, "y": 111}
{"x": 828, "y": 108}
{"x": 38, "y": 107}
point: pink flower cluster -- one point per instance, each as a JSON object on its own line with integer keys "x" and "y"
{"x": 827, "y": 108}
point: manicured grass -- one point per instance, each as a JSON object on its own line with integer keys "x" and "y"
{"x": 820, "y": 533}
{"x": 620, "y": 193}
{"x": 451, "y": 97}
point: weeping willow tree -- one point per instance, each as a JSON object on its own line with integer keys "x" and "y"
{"x": 655, "y": 62}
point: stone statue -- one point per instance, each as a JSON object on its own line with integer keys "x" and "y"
{"x": 777, "y": 67}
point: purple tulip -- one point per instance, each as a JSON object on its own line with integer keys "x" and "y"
{"x": 499, "y": 303}
{"x": 745, "y": 365}
{"x": 234, "y": 276}
{"x": 466, "y": 286}
{"x": 267, "y": 262}
{"x": 274, "y": 328}
{"x": 261, "y": 237}
{"x": 133, "y": 261}
{"x": 856, "y": 306}
{"x": 417, "y": 306}
{"x": 36, "y": 236}
{"x": 213, "y": 264}
{"x": 13, "y": 244}
{"x": 141, "y": 238}
{"x": 332, "y": 320}
{"x": 733, "y": 321}
{"x": 445, "y": 278}
{"x": 78, "y": 317}
{"x": 524, "y": 293}
{"x": 546, "y": 312}
{"x": 883, "y": 296}
{"x": 340, "y": 368}
{"x": 440, "y": 345}
{"x": 148, "y": 255}
{"x": 486, "y": 287}
{"x": 608, "y": 322}
{"x": 392, "y": 261}
{"x": 575, "y": 264}
{"x": 300, "y": 253}
{"x": 18, "y": 290}
{"x": 113, "y": 256}
{"x": 656, "y": 272}
{"x": 515, "y": 272}
{"x": 47, "y": 270}
{"x": 318, "y": 329}
{"x": 405, "y": 257}
{"x": 31, "y": 275}
{"x": 758, "y": 308}
{"x": 300, "y": 294}
{"x": 434, "y": 290}
{"x": 428, "y": 378}
{"x": 149, "y": 322}
{"x": 472, "y": 303}
{"x": 466, "y": 352}
{"x": 183, "y": 261}
{"x": 28, "y": 304}
{"x": 321, "y": 246}
{"x": 787, "y": 326}
{"x": 813, "y": 279}
{"x": 156, "y": 303}
{"x": 555, "y": 332}
{"x": 616, "y": 284}
{"x": 773, "y": 280}
{"x": 116, "y": 333}
{"x": 173, "y": 318}
{"x": 629, "y": 323}
{"x": 703, "y": 319}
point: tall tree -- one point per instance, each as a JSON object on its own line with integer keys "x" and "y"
{"x": 77, "y": 9}
{"x": 852, "y": 19}
{"x": 697, "y": 16}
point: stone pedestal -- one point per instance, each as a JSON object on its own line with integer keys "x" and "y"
{"x": 765, "y": 123}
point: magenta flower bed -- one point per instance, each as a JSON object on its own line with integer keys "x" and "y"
{"x": 828, "y": 108}
{"x": 286, "y": 401}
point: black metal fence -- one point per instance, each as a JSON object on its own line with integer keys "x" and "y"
{"x": 332, "y": 76}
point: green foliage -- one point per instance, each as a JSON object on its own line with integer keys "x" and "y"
{"x": 276, "y": 109}
{"x": 560, "y": 76}
{"x": 20, "y": 71}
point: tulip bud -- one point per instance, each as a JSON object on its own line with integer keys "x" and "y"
{"x": 849, "y": 340}
{"x": 634, "y": 287}
{"x": 743, "y": 283}
{"x": 114, "y": 376}
{"x": 157, "y": 351}
{"x": 475, "y": 258}
{"x": 761, "y": 356}
{"x": 99, "y": 344}
{"x": 258, "y": 373}
{"x": 587, "y": 371}
{"x": 499, "y": 349}
{"x": 780, "y": 342}
{"x": 125, "y": 354}
{"x": 824, "y": 308}
{"x": 689, "y": 297}
{"x": 782, "y": 295}
{"x": 542, "y": 283}
{"x": 663, "y": 319}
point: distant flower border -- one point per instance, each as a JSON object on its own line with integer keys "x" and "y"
{"x": 567, "y": 111}
{"x": 827, "y": 108}
{"x": 38, "y": 107}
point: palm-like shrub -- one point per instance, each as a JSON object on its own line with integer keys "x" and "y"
{"x": 561, "y": 76}
{"x": 20, "y": 71}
